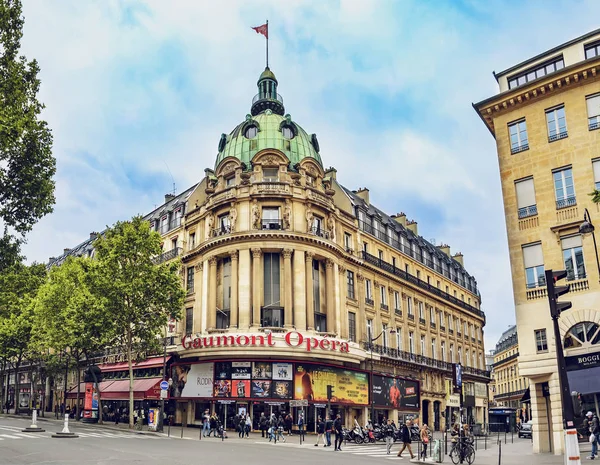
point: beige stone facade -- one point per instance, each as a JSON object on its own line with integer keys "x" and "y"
{"x": 545, "y": 126}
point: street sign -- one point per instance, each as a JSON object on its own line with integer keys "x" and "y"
{"x": 163, "y": 394}
{"x": 164, "y": 385}
{"x": 299, "y": 403}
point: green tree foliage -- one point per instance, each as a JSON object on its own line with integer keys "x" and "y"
{"x": 140, "y": 295}
{"x": 26, "y": 162}
{"x": 595, "y": 195}
{"x": 18, "y": 287}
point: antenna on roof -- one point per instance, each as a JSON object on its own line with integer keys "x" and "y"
{"x": 172, "y": 179}
{"x": 432, "y": 240}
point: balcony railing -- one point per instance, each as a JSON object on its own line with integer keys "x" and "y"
{"x": 526, "y": 212}
{"x": 397, "y": 312}
{"x": 593, "y": 123}
{"x": 271, "y": 224}
{"x": 370, "y": 302}
{"x": 442, "y": 328}
{"x": 519, "y": 148}
{"x": 222, "y": 231}
{"x": 384, "y": 307}
{"x": 422, "y": 321}
{"x": 411, "y": 316}
{"x": 451, "y": 331}
{"x": 557, "y": 136}
{"x": 566, "y": 202}
{"x": 267, "y": 96}
{"x": 373, "y": 260}
{"x": 432, "y": 325}
{"x": 168, "y": 255}
{"x": 319, "y": 232}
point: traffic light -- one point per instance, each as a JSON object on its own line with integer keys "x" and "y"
{"x": 329, "y": 392}
{"x": 554, "y": 291}
{"x": 88, "y": 375}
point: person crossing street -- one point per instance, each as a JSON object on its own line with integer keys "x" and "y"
{"x": 320, "y": 432}
{"x": 388, "y": 433}
{"x": 339, "y": 435}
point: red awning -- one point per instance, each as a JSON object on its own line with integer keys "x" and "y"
{"x": 72, "y": 393}
{"x": 154, "y": 362}
{"x": 146, "y": 388}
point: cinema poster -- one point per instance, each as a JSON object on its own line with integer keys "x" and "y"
{"x": 262, "y": 370}
{"x": 283, "y": 371}
{"x": 396, "y": 393}
{"x": 282, "y": 390}
{"x": 350, "y": 387}
{"x": 261, "y": 389}
{"x": 241, "y": 370}
{"x": 222, "y": 388}
{"x": 192, "y": 380}
{"x": 240, "y": 388}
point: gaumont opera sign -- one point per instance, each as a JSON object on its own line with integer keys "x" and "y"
{"x": 292, "y": 339}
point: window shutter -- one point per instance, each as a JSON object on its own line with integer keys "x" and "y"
{"x": 596, "y": 168}
{"x": 570, "y": 242}
{"x": 533, "y": 256}
{"x": 525, "y": 193}
{"x": 593, "y": 105}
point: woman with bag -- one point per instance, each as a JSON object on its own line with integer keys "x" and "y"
{"x": 424, "y": 440}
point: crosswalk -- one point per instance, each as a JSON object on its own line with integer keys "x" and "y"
{"x": 15, "y": 433}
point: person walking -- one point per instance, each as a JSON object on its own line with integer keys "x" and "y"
{"x": 288, "y": 424}
{"x": 339, "y": 435}
{"x": 262, "y": 424}
{"x": 205, "y": 423}
{"x": 301, "y": 425}
{"x": 594, "y": 428}
{"x": 213, "y": 424}
{"x": 328, "y": 428}
{"x": 424, "y": 440}
{"x": 405, "y": 437}
{"x": 320, "y": 432}
{"x": 241, "y": 425}
{"x": 388, "y": 433}
{"x": 273, "y": 428}
{"x": 248, "y": 426}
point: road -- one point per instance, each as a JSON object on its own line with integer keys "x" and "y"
{"x": 98, "y": 445}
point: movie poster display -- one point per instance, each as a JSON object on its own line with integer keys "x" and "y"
{"x": 350, "y": 387}
{"x": 262, "y": 370}
{"x": 283, "y": 371}
{"x": 194, "y": 380}
{"x": 222, "y": 370}
{"x": 395, "y": 393}
{"x": 261, "y": 389}
{"x": 222, "y": 388}
{"x": 282, "y": 389}
{"x": 240, "y": 388}
{"x": 241, "y": 370}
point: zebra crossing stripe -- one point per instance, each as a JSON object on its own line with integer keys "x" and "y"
{"x": 10, "y": 436}
{"x": 25, "y": 435}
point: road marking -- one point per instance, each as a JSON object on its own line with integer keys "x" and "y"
{"x": 25, "y": 435}
{"x": 10, "y": 437}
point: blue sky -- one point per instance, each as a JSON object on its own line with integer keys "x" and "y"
{"x": 135, "y": 89}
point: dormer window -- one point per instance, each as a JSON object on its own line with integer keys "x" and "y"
{"x": 251, "y": 132}
{"x": 287, "y": 132}
{"x": 270, "y": 174}
{"x": 229, "y": 182}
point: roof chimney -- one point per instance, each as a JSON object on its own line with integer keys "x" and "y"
{"x": 412, "y": 226}
{"x": 169, "y": 197}
{"x": 331, "y": 172}
{"x": 66, "y": 251}
{"x": 363, "y": 193}
{"x": 93, "y": 236}
{"x": 445, "y": 248}
{"x": 400, "y": 218}
{"x": 51, "y": 259}
{"x": 459, "y": 258}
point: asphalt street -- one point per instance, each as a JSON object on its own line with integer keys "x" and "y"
{"x": 99, "y": 445}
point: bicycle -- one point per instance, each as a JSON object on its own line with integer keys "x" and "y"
{"x": 462, "y": 451}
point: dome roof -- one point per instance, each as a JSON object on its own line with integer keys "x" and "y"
{"x": 267, "y": 74}
{"x": 269, "y": 135}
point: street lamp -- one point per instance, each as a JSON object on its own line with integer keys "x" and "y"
{"x": 588, "y": 228}
{"x": 371, "y": 340}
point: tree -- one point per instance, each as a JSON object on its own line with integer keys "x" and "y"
{"x": 26, "y": 162}
{"x": 18, "y": 286}
{"x": 595, "y": 195}
{"x": 70, "y": 317}
{"x": 140, "y": 296}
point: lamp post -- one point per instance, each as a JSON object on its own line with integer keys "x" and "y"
{"x": 588, "y": 228}
{"x": 371, "y": 340}
{"x": 161, "y": 417}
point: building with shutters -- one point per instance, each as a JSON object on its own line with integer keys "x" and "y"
{"x": 545, "y": 119}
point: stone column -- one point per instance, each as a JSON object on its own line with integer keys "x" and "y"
{"x": 233, "y": 311}
{"x": 212, "y": 292}
{"x": 199, "y": 278}
{"x": 256, "y": 285}
{"x": 361, "y": 316}
{"x": 341, "y": 313}
{"x": 310, "y": 306}
{"x": 300, "y": 290}
{"x": 244, "y": 292}
{"x": 329, "y": 299}
{"x": 288, "y": 285}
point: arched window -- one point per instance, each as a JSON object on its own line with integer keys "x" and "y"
{"x": 287, "y": 132}
{"x": 582, "y": 335}
{"x": 251, "y": 132}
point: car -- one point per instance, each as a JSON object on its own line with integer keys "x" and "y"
{"x": 526, "y": 430}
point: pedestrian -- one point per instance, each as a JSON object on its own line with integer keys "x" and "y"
{"x": 248, "y": 426}
{"x": 388, "y": 433}
{"x": 205, "y": 423}
{"x": 328, "y": 428}
{"x": 288, "y": 424}
{"x": 339, "y": 432}
{"x": 213, "y": 425}
{"x": 301, "y": 425}
{"x": 262, "y": 423}
{"x": 117, "y": 416}
{"x": 405, "y": 437}
{"x": 594, "y": 429}
{"x": 424, "y": 440}
{"x": 241, "y": 425}
{"x": 273, "y": 428}
{"x": 320, "y": 432}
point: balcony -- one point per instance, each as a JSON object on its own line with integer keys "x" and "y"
{"x": 267, "y": 96}
{"x": 558, "y": 136}
{"x": 222, "y": 231}
{"x": 169, "y": 255}
{"x": 536, "y": 293}
{"x": 458, "y": 334}
{"x": 369, "y": 302}
{"x": 349, "y": 251}
{"x": 271, "y": 224}
{"x": 319, "y": 232}
{"x": 473, "y": 340}
{"x": 398, "y": 312}
{"x": 450, "y": 331}
{"x": 272, "y": 317}
{"x": 520, "y": 148}
{"x": 510, "y": 395}
{"x": 411, "y": 316}
{"x": 442, "y": 328}
{"x": 375, "y": 261}
{"x": 422, "y": 321}
{"x": 432, "y": 325}
{"x": 384, "y": 307}
{"x": 594, "y": 123}
{"x": 566, "y": 202}
{"x": 526, "y": 212}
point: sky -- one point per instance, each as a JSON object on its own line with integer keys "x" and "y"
{"x": 137, "y": 94}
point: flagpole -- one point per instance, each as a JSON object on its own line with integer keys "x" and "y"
{"x": 267, "y": 43}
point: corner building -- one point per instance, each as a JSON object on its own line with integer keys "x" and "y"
{"x": 295, "y": 283}
{"x": 545, "y": 120}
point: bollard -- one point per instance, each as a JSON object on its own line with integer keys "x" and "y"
{"x": 200, "y": 435}
{"x": 169, "y": 430}
{"x": 65, "y": 433}
{"x": 485, "y": 442}
{"x": 512, "y": 437}
{"x": 34, "y": 428}
{"x": 182, "y": 431}
{"x": 499, "y": 452}
{"x": 504, "y": 436}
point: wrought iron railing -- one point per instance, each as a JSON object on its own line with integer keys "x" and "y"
{"x": 525, "y": 212}
{"x": 557, "y": 136}
{"x": 370, "y": 302}
{"x": 566, "y": 202}
{"x": 319, "y": 232}
{"x": 267, "y": 96}
{"x": 221, "y": 231}
{"x": 168, "y": 255}
{"x": 271, "y": 224}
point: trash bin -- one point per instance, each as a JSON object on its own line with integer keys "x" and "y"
{"x": 437, "y": 454}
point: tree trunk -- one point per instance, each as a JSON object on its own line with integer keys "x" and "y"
{"x": 100, "y": 419}
{"x": 16, "y": 392}
{"x": 78, "y": 406}
{"x": 2, "y": 397}
{"x": 131, "y": 405}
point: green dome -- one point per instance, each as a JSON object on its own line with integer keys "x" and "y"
{"x": 269, "y": 136}
{"x": 267, "y": 74}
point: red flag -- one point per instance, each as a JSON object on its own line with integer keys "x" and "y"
{"x": 264, "y": 30}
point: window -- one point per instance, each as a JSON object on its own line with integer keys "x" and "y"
{"x": 316, "y": 275}
{"x": 465, "y": 326}
{"x": 380, "y": 254}
{"x": 230, "y": 181}
{"x": 272, "y": 317}
{"x": 369, "y": 329}
{"x": 432, "y": 315}
{"x": 224, "y": 224}
{"x": 320, "y": 322}
{"x": 418, "y": 274}
{"x": 397, "y": 301}
{"x": 352, "y": 326}
{"x": 317, "y": 226}
{"x": 557, "y": 123}
{"x": 192, "y": 240}
{"x": 536, "y": 72}
{"x": 443, "y": 348}
{"x": 394, "y": 262}
{"x": 409, "y": 305}
{"x": 384, "y": 335}
{"x": 450, "y": 322}
{"x": 452, "y": 353}
{"x": 541, "y": 342}
{"x": 596, "y": 169}
{"x": 573, "y": 257}
{"x": 421, "y": 311}
{"x": 518, "y": 136}
{"x": 272, "y": 281}
{"x": 251, "y": 132}
{"x": 407, "y": 268}
{"x": 593, "y": 111}
{"x": 226, "y": 283}
{"x": 348, "y": 242}
{"x": 190, "y": 279}
{"x": 533, "y": 260}
{"x": 270, "y": 218}
{"x": 583, "y": 334}
{"x": 287, "y": 132}
{"x": 460, "y": 360}
{"x": 164, "y": 224}
{"x": 423, "y": 345}
{"x": 411, "y": 342}
{"x": 365, "y": 247}
{"x": 563, "y": 188}
{"x": 592, "y": 50}
{"x": 350, "y": 281}
{"x": 382, "y": 294}
{"x": 368, "y": 289}
{"x": 270, "y": 174}
{"x": 433, "y": 348}
{"x": 441, "y": 318}
{"x": 474, "y": 360}
{"x": 189, "y": 320}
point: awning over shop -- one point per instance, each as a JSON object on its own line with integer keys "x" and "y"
{"x": 147, "y": 388}
{"x": 72, "y": 393}
{"x": 154, "y": 362}
{"x": 585, "y": 381}
{"x": 526, "y": 396}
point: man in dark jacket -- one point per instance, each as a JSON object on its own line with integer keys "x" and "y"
{"x": 339, "y": 436}
{"x": 388, "y": 433}
{"x": 594, "y": 428}
{"x": 405, "y": 436}
{"x": 320, "y": 432}
{"x": 262, "y": 423}
{"x": 328, "y": 429}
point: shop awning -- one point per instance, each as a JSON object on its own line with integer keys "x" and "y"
{"x": 154, "y": 362}
{"x": 584, "y": 381}
{"x": 146, "y": 388}
{"x": 72, "y": 393}
{"x": 526, "y": 396}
